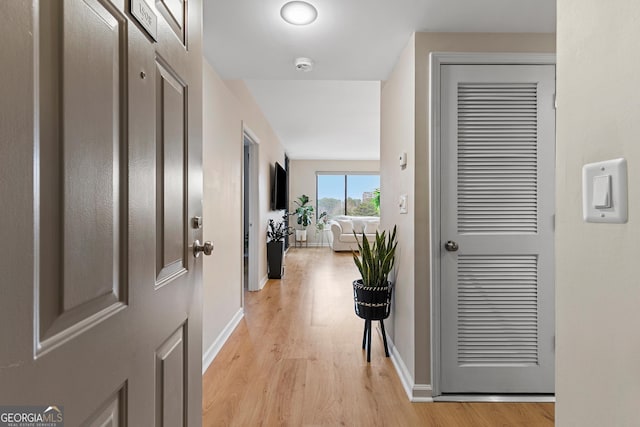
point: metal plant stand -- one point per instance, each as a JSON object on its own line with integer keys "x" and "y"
{"x": 372, "y": 303}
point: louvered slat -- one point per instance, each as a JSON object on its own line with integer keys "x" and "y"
{"x": 497, "y": 319}
{"x": 497, "y": 182}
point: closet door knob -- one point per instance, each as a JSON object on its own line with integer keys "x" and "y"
{"x": 451, "y": 246}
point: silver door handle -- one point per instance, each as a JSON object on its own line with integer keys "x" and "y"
{"x": 451, "y": 246}
{"x": 206, "y": 248}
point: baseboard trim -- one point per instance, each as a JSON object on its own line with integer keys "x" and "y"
{"x": 401, "y": 369}
{"x": 215, "y": 348}
{"x": 422, "y": 393}
{"x": 417, "y": 393}
{"x": 521, "y": 398}
{"x": 263, "y": 282}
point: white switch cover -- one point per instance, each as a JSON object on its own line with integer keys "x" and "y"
{"x": 403, "y": 204}
{"x": 403, "y": 159}
{"x": 604, "y": 191}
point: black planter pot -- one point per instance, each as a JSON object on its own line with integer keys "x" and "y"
{"x": 372, "y": 304}
{"x": 275, "y": 253}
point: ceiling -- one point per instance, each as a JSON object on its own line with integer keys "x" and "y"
{"x": 323, "y": 119}
{"x": 354, "y": 44}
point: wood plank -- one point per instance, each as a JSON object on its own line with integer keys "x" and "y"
{"x": 296, "y": 359}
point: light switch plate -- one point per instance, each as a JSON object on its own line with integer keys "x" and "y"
{"x": 403, "y": 159}
{"x": 403, "y": 204}
{"x": 598, "y": 179}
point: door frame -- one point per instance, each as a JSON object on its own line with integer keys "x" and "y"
{"x": 254, "y": 163}
{"x": 436, "y": 61}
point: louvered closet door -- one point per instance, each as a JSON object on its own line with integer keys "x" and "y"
{"x": 497, "y": 190}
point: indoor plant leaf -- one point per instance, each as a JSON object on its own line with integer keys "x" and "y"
{"x": 375, "y": 260}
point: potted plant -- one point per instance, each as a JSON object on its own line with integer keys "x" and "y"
{"x": 321, "y": 224}
{"x": 372, "y": 293}
{"x": 322, "y": 221}
{"x": 276, "y": 233}
{"x": 304, "y": 212}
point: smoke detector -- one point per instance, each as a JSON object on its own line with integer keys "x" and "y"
{"x": 303, "y": 64}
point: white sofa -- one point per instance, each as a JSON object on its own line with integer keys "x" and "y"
{"x": 342, "y": 228}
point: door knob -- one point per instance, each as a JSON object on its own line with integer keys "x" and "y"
{"x": 451, "y": 246}
{"x": 206, "y": 248}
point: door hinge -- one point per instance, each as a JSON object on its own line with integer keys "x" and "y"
{"x": 555, "y": 102}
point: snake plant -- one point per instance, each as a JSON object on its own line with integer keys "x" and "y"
{"x": 376, "y": 260}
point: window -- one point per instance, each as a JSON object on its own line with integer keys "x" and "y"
{"x": 355, "y": 194}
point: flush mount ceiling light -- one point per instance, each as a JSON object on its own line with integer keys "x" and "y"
{"x": 298, "y": 13}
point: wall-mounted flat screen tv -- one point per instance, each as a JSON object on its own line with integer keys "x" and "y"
{"x": 279, "y": 189}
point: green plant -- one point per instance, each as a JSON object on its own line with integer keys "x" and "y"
{"x": 303, "y": 211}
{"x": 376, "y": 261}
{"x": 376, "y": 199}
{"x": 322, "y": 221}
{"x": 277, "y": 231}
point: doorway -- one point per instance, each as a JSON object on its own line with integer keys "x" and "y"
{"x": 250, "y": 155}
{"x": 493, "y": 207}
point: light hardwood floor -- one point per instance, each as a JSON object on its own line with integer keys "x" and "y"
{"x": 296, "y": 360}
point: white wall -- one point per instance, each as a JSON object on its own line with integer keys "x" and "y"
{"x": 226, "y": 106}
{"x": 222, "y": 156}
{"x": 302, "y": 180}
{"x": 403, "y": 132}
{"x": 597, "y": 281}
{"x": 397, "y": 134}
{"x": 270, "y": 151}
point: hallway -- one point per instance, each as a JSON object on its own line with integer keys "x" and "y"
{"x": 295, "y": 359}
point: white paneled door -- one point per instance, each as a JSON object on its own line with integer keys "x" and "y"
{"x": 101, "y": 167}
{"x": 497, "y": 208}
